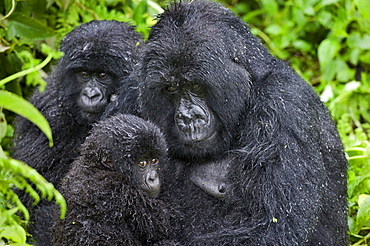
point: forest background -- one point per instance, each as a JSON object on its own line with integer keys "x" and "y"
{"x": 326, "y": 41}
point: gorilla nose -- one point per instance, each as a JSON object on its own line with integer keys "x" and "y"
{"x": 91, "y": 99}
{"x": 152, "y": 176}
{"x": 188, "y": 114}
{"x": 91, "y": 94}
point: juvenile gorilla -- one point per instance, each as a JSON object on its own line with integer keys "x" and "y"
{"x": 107, "y": 187}
{"x": 97, "y": 56}
{"x": 255, "y": 157}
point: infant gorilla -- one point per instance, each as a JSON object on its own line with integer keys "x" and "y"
{"x": 111, "y": 187}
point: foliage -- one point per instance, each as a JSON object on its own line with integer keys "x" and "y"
{"x": 13, "y": 173}
{"x": 17, "y": 174}
{"x": 326, "y": 41}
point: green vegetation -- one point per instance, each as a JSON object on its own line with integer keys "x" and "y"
{"x": 327, "y": 42}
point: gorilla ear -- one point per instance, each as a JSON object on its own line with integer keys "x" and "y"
{"x": 105, "y": 159}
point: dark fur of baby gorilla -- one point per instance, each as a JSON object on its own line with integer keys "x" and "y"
{"x": 98, "y": 56}
{"x": 111, "y": 188}
{"x": 255, "y": 158}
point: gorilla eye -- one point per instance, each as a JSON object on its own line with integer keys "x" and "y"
{"x": 143, "y": 163}
{"x": 195, "y": 87}
{"x": 83, "y": 73}
{"x": 102, "y": 75}
{"x": 171, "y": 89}
{"x": 154, "y": 161}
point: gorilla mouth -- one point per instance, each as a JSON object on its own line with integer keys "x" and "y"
{"x": 94, "y": 110}
{"x": 193, "y": 136}
{"x": 153, "y": 193}
{"x": 153, "y": 190}
{"x": 92, "y": 106}
{"x": 195, "y": 131}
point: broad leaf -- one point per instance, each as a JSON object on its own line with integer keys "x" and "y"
{"x": 363, "y": 214}
{"x": 15, "y": 233}
{"x": 22, "y": 107}
{"x": 326, "y": 51}
{"x": 25, "y": 27}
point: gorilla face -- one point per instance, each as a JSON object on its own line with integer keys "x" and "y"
{"x": 131, "y": 146}
{"x": 95, "y": 93}
{"x": 99, "y": 55}
{"x": 195, "y": 93}
{"x": 194, "y": 121}
{"x": 146, "y": 177}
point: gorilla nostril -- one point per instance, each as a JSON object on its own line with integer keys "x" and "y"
{"x": 222, "y": 188}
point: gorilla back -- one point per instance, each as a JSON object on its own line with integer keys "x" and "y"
{"x": 255, "y": 155}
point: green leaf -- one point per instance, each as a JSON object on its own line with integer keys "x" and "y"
{"x": 325, "y": 18}
{"x": 365, "y": 58}
{"x": 354, "y": 55}
{"x": 365, "y": 42}
{"x": 30, "y": 70}
{"x": 22, "y": 173}
{"x": 22, "y": 26}
{"x": 328, "y": 2}
{"x": 352, "y": 225}
{"x": 15, "y": 233}
{"x": 2, "y": 124}
{"x": 49, "y": 3}
{"x": 270, "y": 6}
{"x": 274, "y": 30}
{"x": 328, "y": 72}
{"x": 22, "y": 107}
{"x": 355, "y": 40}
{"x": 140, "y": 11}
{"x": 154, "y": 8}
{"x": 301, "y": 45}
{"x": 299, "y": 17}
{"x": 363, "y": 214}
{"x": 344, "y": 72}
{"x": 363, "y": 8}
{"x": 326, "y": 52}
{"x": 309, "y": 10}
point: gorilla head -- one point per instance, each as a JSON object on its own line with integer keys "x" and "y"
{"x": 128, "y": 145}
{"x": 193, "y": 83}
{"x": 98, "y": 55}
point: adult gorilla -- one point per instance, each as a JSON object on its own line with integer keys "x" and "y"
{"x": 256, "y": 158}
{"x": 97, "y": 56}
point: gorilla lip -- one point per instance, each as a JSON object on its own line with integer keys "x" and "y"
{"x": 190, "y": 138}
{"x": 192, "y": 132}
{"x": 152, "y": 192}
{"x": 93, "y": 111}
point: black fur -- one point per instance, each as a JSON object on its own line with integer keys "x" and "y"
{"x": 100, "y": 46}
{"x": 284, "y": 161}
{"x": 104, "y": 205}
